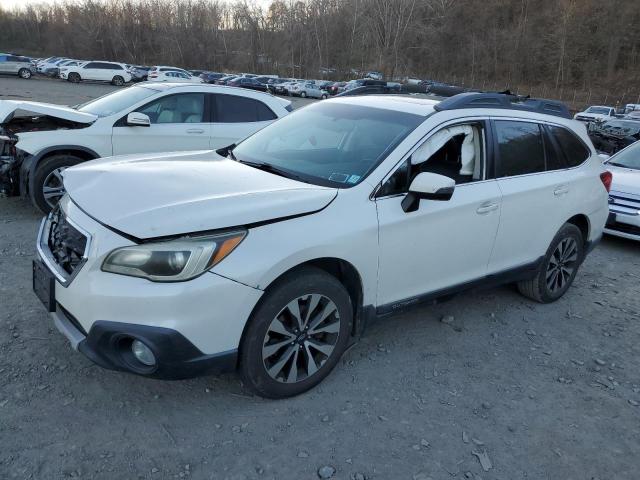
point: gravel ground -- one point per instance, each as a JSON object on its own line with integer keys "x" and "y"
{"x": 535, "y": 391}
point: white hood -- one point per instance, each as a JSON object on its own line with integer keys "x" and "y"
{"x": 164, "y": 194}
{"x": 8, "y": 109}
{"x": 625, "y": 180}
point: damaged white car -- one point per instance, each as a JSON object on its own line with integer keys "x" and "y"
{"x": 271, "y": 260}
{"x": 38, "y": 140}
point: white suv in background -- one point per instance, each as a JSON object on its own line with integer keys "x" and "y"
{"x": 171, "y": 74}
{"x": 112, "y": 72}
{"x": 145, "y": 118}
{"x": 272, "y": 259}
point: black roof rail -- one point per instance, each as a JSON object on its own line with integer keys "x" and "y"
{"x": 504, "y": 100}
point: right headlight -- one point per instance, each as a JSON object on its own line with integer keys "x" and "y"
{"x": 172, "y": 261}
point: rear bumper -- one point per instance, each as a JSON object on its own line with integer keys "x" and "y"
{"x": 108, "y": 345}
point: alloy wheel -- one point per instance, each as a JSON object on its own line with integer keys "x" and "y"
{"x": 562, "y": 265}
{"x": 301, "y": 338}
{"x": 53, "y": 188}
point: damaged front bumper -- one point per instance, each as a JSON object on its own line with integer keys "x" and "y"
{"x": 9, "y": 166}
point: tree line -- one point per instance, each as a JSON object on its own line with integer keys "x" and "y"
{"x": 560, "y": 46}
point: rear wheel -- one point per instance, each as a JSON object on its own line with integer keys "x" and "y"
{"x": 24, "y": 73}
{"x": 47, "y": 181}
{"x": 118, "y": 81}
{"x": 303, "y": 94}
{"x": 296, "y": 335}
{"x": 559, "y": 267}
{"x": 74, "y": 77}
{"x": 324, "y": 96}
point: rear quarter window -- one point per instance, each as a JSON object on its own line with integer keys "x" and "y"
{"x": 571, "y": 147}
{"x": 236, "y": 109}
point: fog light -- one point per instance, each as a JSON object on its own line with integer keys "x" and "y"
{"x": 143, "y": 353}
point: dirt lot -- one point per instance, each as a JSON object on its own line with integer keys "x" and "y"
{"x": 547, "y": 391}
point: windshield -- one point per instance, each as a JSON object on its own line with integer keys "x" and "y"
{"x": 629, "y": 157}
{"x": 599, "y": 110}
{"x": 116, "y": 102}
{"x": 327, "y": 143}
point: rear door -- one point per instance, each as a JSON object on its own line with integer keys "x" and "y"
{"x": 236, "y": 117}
{"x": 179, "y": 122}
{"x": 5, "y": 65}
{"x": 536, "y": 193}
{"x": 91, "y": 71}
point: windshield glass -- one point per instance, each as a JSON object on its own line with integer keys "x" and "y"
{"x": 329, "y": 143}
{"x": 600, "y": 110}
{"x": 116, "y": 102}
{"x": 629, "y": 157}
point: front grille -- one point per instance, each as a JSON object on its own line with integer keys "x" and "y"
{"x": 66, "y": 244}
{"x": 626, "y": 202}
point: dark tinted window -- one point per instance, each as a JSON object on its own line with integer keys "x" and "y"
{"x": 520, "y": 148}
{"x": 555, "y": 158}
{"x": 92, "y": 65}
{"x": 574, "y": 151}
{"x": 398, "y": 183}
{"x": 234, "y": 109}
{"x": 3, "y": 58}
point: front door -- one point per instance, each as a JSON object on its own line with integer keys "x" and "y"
{"x": 178, "y": 123}
{"x": 443, "y": 243}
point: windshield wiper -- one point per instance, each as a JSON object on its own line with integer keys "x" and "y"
{"x": 267, "y": 167}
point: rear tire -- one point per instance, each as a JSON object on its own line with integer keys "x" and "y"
{"x": 24, "y": 73}
{"x": 558, "y": 268}
{"x": 47, "y": 182}
{"x": 303, "y": 94}
{"x": 296, "y": 335}
{"x": 323, "y": 97}
{"x": 118, "y": 81}
{"x": 74, "y": 77}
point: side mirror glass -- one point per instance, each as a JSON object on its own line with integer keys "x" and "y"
{"x": 428, "y": 186}
{"x": 137, "y": 119}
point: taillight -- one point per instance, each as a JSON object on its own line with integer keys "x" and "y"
{"x": 606, "y": 178}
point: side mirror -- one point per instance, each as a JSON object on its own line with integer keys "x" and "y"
{"x": 137, "y": 119}
{"x": 428, "y": 186}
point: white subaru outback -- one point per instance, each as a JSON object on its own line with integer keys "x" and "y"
{"x": 269, "y": 257}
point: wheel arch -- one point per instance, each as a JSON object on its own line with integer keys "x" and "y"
{"x": 346, "y": 273}
{"x": 582, "y": 222}
{"x": 77, "y": 150}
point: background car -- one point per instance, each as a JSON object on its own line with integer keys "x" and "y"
{"x": 139, "y": 73}
{"x": 171, "y": 74}
{"x": 211, "y": 77}
{"x": 614, "y": 135}
{"x": 225, "y": 80}
{"x": 250, "y": 83}
{"x": 336, "y": 87}
{"x": 16, "y": 65}
{"x": 112, "y": 72}
{"x": 624, "y": 197}
{"x": 308, "y": 89}
{"x": 146, "y": 117}
{"x": 595, "y": 113}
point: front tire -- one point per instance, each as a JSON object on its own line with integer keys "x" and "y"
{"x": 296, "y": 335}
{"x": 558, "y": 268}
{"x": 47, "y": 181}
{"x": 74, "y": 77}
{"x": 303, "y": 94}
{"x": 24, "y": 73}
{"x": 118, "y": 81}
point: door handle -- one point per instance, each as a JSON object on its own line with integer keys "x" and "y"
{"x": 561, "y": 190}
{"x": 489, "y": 207}
{"x": 195, "y": 130}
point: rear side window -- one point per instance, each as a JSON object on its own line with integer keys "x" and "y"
{"x": 235, "y": 109}
{"x": 520, "y": 148}
{"x": 571, "y": 147}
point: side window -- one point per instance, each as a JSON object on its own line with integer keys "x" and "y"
{"x": 520, "y": 148}
{"x": 235, "y": 109}
{"x": 91, "y": 65}
{"x": 3, "y": 58}
{"x": 182, "y": 108}
{"x": 574, "y": 151}
{"x": 456, "y": 152}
